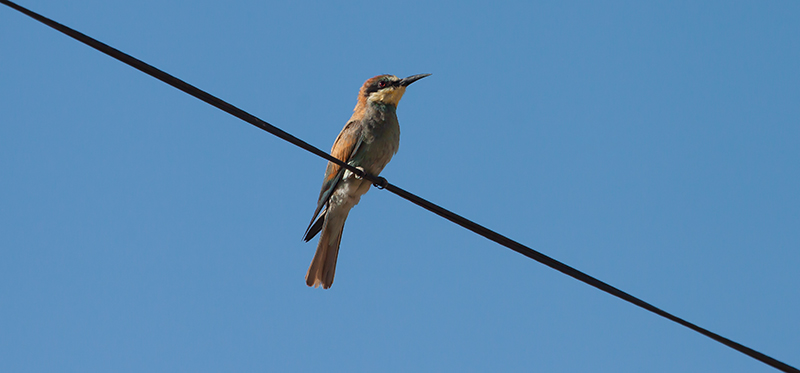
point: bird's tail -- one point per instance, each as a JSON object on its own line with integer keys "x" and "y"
{"x": 323, "y": 266}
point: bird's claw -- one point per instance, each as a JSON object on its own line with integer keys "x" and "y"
{"x": 382, "y": 183}
{"x": 362, "y": 171}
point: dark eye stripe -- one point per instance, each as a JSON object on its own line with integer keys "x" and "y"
{"x": 377, "y": 86}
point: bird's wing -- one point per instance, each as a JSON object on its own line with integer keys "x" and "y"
{"x": 345, "y": 146}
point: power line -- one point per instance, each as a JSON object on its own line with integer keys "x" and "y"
{"x": 382, "y": 183}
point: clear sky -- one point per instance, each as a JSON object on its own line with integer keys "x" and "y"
{"x": 654, "y": 145}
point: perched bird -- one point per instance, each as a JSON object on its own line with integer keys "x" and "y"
{"x": 368, "y": 141}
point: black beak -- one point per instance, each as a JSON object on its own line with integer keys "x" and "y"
{"x": 405, "y": 82}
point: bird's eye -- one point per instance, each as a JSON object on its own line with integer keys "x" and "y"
{"x": 382, "y": 84}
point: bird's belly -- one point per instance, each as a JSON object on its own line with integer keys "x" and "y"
{"x": 380, "y": 144}
{"x": 377, "y": 155}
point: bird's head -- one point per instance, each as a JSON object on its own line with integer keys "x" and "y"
{"x": 386, "y": 89}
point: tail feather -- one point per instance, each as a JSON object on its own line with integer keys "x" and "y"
{"x": 323, "y": 266}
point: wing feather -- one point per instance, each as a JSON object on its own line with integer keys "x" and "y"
{"x": 345, "y": 146}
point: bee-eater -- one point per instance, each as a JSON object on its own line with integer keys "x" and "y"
{"x": 368, "y": 141}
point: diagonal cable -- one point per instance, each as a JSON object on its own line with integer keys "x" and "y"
{"x": 382, "y": 183}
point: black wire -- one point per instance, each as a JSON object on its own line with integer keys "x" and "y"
{"x": 447, "y": 214}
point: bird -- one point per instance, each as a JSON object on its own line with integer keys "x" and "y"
{"x": 367, "y": 142}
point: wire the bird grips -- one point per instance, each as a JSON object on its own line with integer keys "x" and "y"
{"x": 382, "y": 182}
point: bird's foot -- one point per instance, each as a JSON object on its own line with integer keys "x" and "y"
{"x": 382, "y": 183}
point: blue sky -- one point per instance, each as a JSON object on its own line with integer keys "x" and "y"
{"x": 654, "y": 146}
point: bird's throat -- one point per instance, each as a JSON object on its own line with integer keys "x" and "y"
{"x": 389, "y": 96}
